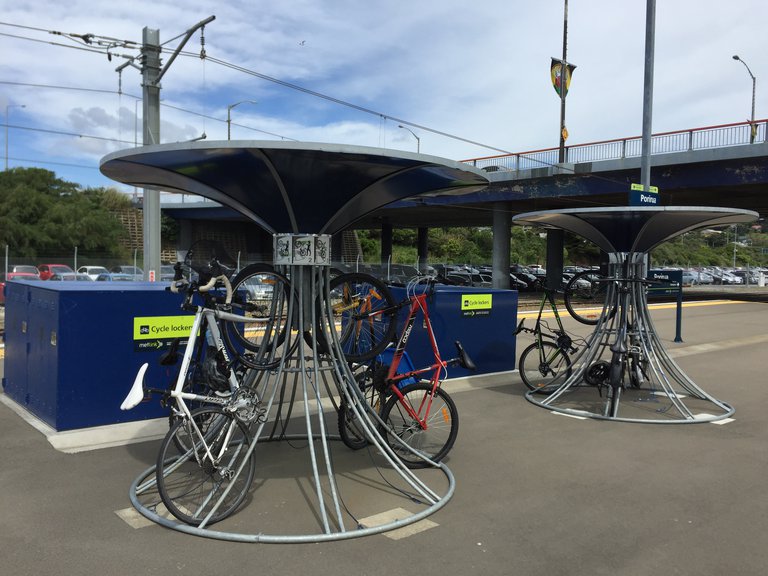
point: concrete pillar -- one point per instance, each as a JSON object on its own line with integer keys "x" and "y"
{"x": 502, "y": 222}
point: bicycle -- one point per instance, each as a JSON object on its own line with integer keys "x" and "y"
{"x": 415, "y": 416}
{"x": 585, "y": 297}
{"x": 547, "y": 359}
{"x": 204, "y": 466}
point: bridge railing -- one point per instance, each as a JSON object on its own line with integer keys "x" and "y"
{"x": 740, "y": 133}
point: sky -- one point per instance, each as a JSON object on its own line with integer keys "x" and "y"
{"x": 477, "y": 71}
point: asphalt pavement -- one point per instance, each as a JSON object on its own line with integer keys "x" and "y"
{"x": 537, "y": 493}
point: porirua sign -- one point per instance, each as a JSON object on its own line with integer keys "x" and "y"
{"x": 640, "y": 197}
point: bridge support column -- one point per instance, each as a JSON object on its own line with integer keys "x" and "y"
{"x": 421, "y": 243}
{"x": 555, "y": 245}
{"x": 386, "y": 243}
{"x": 502, "y": 223}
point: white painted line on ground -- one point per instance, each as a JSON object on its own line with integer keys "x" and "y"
{"x": 574, "y": 416}
{"x": 394, "y": 515}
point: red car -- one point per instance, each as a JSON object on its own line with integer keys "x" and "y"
{"x": 14, "y": 276}
{"x": 48, "y": 270}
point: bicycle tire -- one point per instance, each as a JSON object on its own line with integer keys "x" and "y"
{"x": 541, "y": 364}
{"x": 442, "y": 424}
{"x": 577, "y": 294}
{"x": 350, "y": 429}
{"x": 361, "y": 332}
{"x": 189, "y": 483}
{"x": 259, "y": 291}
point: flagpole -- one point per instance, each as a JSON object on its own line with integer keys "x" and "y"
{"x": 563, "y": 84}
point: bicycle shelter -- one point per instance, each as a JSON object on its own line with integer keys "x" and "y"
{"x": 624, "y": 373}
{"x": 302, "y": 193}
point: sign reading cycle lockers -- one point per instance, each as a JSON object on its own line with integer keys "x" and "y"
{"x": 151, "y": 333}
{"x": 476, "y": 304}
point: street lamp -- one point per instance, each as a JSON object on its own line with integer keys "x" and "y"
{"x": 6, "y": 129}
{"x": 752, "y": 127}
{"x": 229, "y": 110}
{"x": 418, "y": 140}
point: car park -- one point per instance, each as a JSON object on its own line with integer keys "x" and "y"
{"x": 92, "y": 271}
{"x": 48, "y": 270}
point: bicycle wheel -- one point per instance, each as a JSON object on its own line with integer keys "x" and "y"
{"x": 441, "y": 418}
{"x": 541, "y": 364}
{"x": 364, "y": 315}
{"x": 199, "y": 460}
{"x": 585, "y": 297}
{"x": 350, "y": 428}
{"x": 259, "y": 292}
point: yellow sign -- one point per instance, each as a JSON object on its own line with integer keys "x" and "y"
{"x": 476, "y": 302}
{"x": 155, "y": 327}
{"x": 639, "y": 187}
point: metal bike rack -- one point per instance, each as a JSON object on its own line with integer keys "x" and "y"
{"x": 653, "y": 387}
{"x": 312, "y": 191}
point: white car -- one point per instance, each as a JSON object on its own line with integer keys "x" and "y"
{"x": 92, "y": 271}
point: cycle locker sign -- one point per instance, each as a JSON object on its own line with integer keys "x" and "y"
{"x": 157, "y": 332}
{"x": 476, "y": 304}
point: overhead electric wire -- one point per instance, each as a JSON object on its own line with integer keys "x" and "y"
{"x": 326, "y": 97}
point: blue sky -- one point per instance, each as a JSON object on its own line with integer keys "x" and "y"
{"x": 479, "y": 71}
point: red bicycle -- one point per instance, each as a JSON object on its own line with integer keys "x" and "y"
{"x": 415, "y": 414}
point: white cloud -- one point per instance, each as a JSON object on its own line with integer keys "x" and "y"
{"x": 479, "y": 71}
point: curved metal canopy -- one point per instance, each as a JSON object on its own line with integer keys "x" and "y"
{"x": 288, "y": 186}
{"x": 634, "y": 229}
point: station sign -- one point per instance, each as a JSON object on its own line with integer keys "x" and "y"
{"x": 664, "y": 282}
{"x": 638, "y": 196}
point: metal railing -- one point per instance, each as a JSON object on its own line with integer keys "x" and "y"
{"x": 738, "y": 134}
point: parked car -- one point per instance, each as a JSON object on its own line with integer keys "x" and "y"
{"x": 15, "y": 276}
{"x": 114, "y": 277}
{"x": 690, "y": 278}
{"x": 135, "y": 271}
{"x": 25, "y": 269}
{"x": 92, "y": 271}
{"x": 48, "y": 270}
{"x": 167, "y": 273}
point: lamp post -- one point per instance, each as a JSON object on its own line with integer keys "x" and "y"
{"x": 229, "y": 111}
{"x": 752, "y": 127}
{"x": 418, "y": 140}
{"x": 7, "y": 107}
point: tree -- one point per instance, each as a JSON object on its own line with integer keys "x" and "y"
{"x": 42, "y": 215}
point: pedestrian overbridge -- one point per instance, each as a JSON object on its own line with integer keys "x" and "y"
{"x": 724, "y": 166}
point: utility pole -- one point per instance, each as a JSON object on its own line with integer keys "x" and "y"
{"x": 151, "y": 73}
{"x": 650, "y": 35}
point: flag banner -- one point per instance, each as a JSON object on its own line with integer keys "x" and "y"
{"x": 555, "y": 71}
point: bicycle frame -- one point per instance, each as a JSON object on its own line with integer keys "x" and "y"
{"x": 209, "y": 318}
{"x": 418, "y": 302}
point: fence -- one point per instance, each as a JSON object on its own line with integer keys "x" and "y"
{"x": 738, "y": 134}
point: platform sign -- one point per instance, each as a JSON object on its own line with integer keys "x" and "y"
{"x": 664, "y": 282}
{"x": 640, "y": 197}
